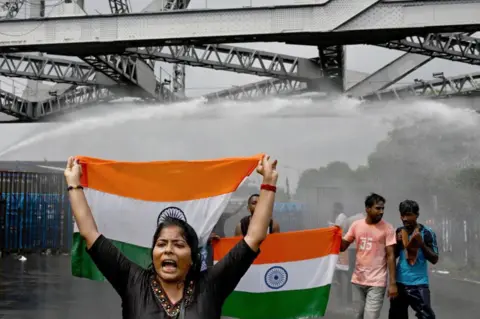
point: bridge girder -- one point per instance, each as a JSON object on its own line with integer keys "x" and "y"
{"x": 133, "y": 75}
{"x": 335, "y": 22}
{"x": 441, "y": 87}
{"x": 258, "y": 90}
{"x": 235, "y": 59}
{"x": 44, "y": 68}
{"x": 224, "y": 57}
{"x": 437, "y": 88}
{"x": 456, "y": 47}
{"x": 75, "y": 98}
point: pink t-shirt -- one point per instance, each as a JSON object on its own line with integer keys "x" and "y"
{"x": 371, "y": 257}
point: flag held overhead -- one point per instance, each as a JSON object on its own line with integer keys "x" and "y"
{"x": 127, "y": 198}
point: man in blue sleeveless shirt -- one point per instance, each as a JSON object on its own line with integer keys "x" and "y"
{"x": 416, "y": 246}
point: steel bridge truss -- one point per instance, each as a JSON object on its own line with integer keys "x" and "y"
{"x": 119, "y": 6}
{"x": 25, "y": 110}
{"x": 234, "y": 59}
{"x": 290, "y": 74}
{"x": 44, "y": 68}
{"x": 454, "y": 47}
{"x": 442, "y": 87}
{"x": 258, "y": 90}
{"x": 293, "y": 74}
{"x": 437, "y": 88}
{"x": 54, "y": 70}
{"x": 12, "y": 8}
{"x": 129, "y": 73}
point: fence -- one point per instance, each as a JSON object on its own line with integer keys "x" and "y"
{"x": 34, "y": 212}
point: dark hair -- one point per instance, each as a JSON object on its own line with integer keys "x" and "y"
{"x": 251, "y": 197}
{"x": 192, "y": 241}
{"x": 373, "y": 199}
{"x": 409, "y": 206}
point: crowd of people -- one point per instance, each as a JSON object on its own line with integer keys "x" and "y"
{"x": 182, "y": 284}
{"x": 383, "y": 260}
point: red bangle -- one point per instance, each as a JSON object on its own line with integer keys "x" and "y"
{"x": 268, "y": 187}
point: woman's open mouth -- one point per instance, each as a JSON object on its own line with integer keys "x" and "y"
{"x": 169, "y": 265}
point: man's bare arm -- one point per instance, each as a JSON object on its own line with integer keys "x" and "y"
{"x": 390, "y": 250}
{"x": 344, "y": 245}
{"x": 392, "y": 288}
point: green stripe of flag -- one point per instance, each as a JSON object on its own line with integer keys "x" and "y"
{"x": 288, "y": 304}
{"x": 84, "y": 267}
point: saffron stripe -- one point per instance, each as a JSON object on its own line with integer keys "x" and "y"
{"x": 290, "y": 246}
{"x": 167, "y": 181}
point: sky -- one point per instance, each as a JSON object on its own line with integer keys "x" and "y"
{"x": 300, "y": 142}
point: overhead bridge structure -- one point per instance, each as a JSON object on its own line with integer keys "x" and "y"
{"x": 116, "y": 53}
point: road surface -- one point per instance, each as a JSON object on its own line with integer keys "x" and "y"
{"x": 43, "y": 288}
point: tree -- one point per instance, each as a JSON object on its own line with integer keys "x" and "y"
{"x": 417, "y": 161}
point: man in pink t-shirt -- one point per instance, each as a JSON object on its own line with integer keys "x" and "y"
{"x": 375, "y": 241}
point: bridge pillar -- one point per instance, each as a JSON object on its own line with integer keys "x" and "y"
{"x": 331, "y": 59}
{"x": 179, "y": 73}
{"x": 36, "y": 10}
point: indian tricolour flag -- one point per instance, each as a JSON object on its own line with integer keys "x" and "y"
{"x": 290, "y": 278}
{"x": 127, "y": 199}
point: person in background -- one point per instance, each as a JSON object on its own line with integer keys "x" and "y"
{"x": 351, "y": 251}
{"x": 416, "y": 246}
{"x": 339, "y": 217}
{"x": 219, "y": 228}
{"x": 375, "y": 250}
{"x": 206, "y": 252}
{"x": 242, "y": 226}
{"x": 341, "y": 276}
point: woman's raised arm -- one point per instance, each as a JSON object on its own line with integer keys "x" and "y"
{"x": 81, "y": 210}
{"x": 257, "y": 230}
{"x": 226, "y": 274}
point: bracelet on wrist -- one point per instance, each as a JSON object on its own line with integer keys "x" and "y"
{"x": 269, "y": 187}
{"x": 69, "y": 188}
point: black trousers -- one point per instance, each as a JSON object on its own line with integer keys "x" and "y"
{"x": 417, "y": 297}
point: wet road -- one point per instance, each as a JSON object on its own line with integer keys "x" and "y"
{"x": 43, "y": 288}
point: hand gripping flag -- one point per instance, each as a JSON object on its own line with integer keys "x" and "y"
{"x": 128, "y": 199}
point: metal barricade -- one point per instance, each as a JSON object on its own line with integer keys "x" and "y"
{"x": 36, "y": 214}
